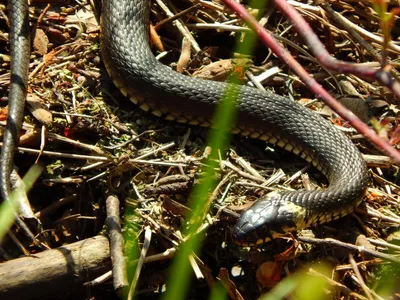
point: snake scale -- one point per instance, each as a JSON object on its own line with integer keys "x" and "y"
{"x": 277, "y": 120}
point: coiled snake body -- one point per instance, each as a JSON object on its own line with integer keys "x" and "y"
{"x": 275, "y": 119}
{"x": 264, "y": 115}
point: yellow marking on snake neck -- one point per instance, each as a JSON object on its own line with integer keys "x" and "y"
{"x": 299, "y": 218}
{"x": 296, "y": 151}
{"x": 205, "y": 124}
{"x": 169, "y": 118}
{"x": 133, "y": 99}
{"x": 194, "y": 122}
{"x": 157, "y": 113}
{"x": 123, "y": 91}
{"x": 260, "y": 241}
{"x": 281, "y": 143}
{"x": 303, "y": 155}
{"x": 309, "y": 159}
{"x": 272, "y": 140}
{"x": 235, "y": 130}
{"x": 145, "y": 107}
{"x": 181, "y": 120}
{"x": 288, "y": 147}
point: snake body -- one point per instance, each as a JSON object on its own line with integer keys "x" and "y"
{"x": 156, "y": 88}
{"x": 264, "y": 115}
{"x": 19, "y": 51}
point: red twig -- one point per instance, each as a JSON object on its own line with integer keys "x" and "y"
{"x": 329, "y": 62}
{"x": 319, "y": 91}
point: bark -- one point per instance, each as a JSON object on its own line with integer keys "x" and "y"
{"x": 55, "y": 272}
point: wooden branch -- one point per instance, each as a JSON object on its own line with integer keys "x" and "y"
{"x": 114, "y": 230}
{"x": 55, "y": 272}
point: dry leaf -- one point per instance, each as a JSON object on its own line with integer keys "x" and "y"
{"x": 38, "y": 110}
{"x": 49, "y": 56}
{"x": 86, "y": 16}
{"x": 268, "y": 274}
{"x": 156, "y": 40}
{"x": 40, "y": 42}
{"x": 184, "y": 58}
{"x": 3, "y": 113}
{"x": 221, "y": 70}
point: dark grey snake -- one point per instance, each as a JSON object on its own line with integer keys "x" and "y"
{"x": 20, "y": 49}
{"x": 156, "y": 88}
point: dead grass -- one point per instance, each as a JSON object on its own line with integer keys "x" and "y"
{"x": 152, "y": 164}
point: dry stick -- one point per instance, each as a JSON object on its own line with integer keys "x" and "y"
{"x": 18, "y": 243}
{"x": 321, "y": 93}
{"x": 184, "y": 58}
{"x": 99, "y": 280}
{"x": 355, "y": 31}
{"x": 169, "y": 189}
{"x": 338, "y": 18}
{"x": 167, "y": 254}
{"x": 24, "y": 208}
{"x": 212, "y": 5}
{"x": 101, "y": 158}
{"x": 180, "y": 26}
{"x": 359, "y": 277}
{"x": 120, "y": 279}
{"x": 350, "y": 247}
{"x": 342, "y": 288}
{"x": 384, "y": 244}
{"x": 242, "y": 173}
{"x": 375, "y": 295}
{"x": 377, "y": 161}
{"x": 161, "y": 148}
{"x": 349, "y": 27}
{"x": 74, "y": 142}
{"x": 55, "y": 205}
{"x": 176, "y": 16}
{"x": 56, "y": 271}
{"x": 312, "y": 40}
{"x": 245, "y": 165}
{"x": 146, "y": 245}
{"x": 373, "y": 37}
{"x": 365, "y": 263}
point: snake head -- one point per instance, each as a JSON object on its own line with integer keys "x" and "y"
{"x": 267, "y": 219}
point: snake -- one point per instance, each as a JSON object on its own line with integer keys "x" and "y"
{"x": 19, "y": 51}
{"x": 19, "y": 70}
{"x": 263, "y": 115}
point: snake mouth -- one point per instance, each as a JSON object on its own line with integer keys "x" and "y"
{"x": 245, "y": 238}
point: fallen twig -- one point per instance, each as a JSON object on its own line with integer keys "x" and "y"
{"x": 350, "y": 247}
{"x": 54, "y": 271}
{"x": 113, "y": 222}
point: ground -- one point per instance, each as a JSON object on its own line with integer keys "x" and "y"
{"x": 99, "y": 144}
